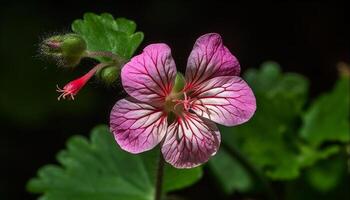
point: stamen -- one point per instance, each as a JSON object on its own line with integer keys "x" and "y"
{"x": 187, "y": 102}
{"x": 59, "y": 97}
{"x": 59, "y": 89}
{"x": 178, "y": 102}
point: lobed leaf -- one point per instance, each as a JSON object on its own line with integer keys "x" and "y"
{"x": 104, "y": 33}
{"x": 327, "y": 119}
{"x": 99, "y": 169}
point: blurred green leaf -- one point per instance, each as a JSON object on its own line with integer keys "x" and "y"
{"x": 282, "y": 93}
{"x": 230, "y": 173}
{"x": 327, "y": 119}
{"x": 325, "y": 180}
{"x": 326, "y": 175}
{"x": 104, "y": 33}
{"x": 175, "y": 179}
{"x": 101, "y": 170}
{"x": 268, "y": 139}
{"x": 309, "y": 155}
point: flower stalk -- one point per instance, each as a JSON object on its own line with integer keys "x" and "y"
{"x": 159, "y": 180}
{"x": 106, "y": 54}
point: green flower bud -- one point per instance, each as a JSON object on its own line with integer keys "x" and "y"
{"x": 109, "y": 74}
{"x": 179, "y": 82}
{"x": 68, "y": 49}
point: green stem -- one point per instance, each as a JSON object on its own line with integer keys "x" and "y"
{"x": 347, "y": 153}
{"x": 255, "y": 173}
{"x": 159, "y": 180}
{"x": 106, "y": 54}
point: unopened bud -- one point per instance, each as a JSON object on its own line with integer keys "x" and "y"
{"x": 179, "y": 82}
{"x": 109, "y": 74}
{"x": 68, "y": 49}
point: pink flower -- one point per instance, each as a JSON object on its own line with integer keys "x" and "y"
{"x": 181, "y": 121}
{"x": 72, "y": 88}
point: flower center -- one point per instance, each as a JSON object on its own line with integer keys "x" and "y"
{"x": 177, "y": 103}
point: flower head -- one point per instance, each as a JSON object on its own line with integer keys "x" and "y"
{"x": 181, "y": 112}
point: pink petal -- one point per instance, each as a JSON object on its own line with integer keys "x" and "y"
{"x": 225, "y": 100}
{"x": 190, "y": 141}
{"x": 137, "y": 126}
{"x": 149, "y": 77}
{"x": 208, "y": 59}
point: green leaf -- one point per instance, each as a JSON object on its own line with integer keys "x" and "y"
{"x": 294, "y": 161}
{"x": 175, "y": 179}
{"x": 101, "y": 170}
{"x": 308, "y": 155}
{"x": 264, "y": 139}
{"x": 230, "y": 173}
{"x": 284, "y": 94}
{"x": 104, "y": 33}
{"x": 326, "y": 175}
{"x": 327, "y": 119}
{"x": 327, "y": 179}
{"x": 268, "y": 139}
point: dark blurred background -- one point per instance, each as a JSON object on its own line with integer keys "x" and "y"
{"x": 307, "y": 38}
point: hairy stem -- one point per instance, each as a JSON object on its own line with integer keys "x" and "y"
{"x": 159, "y": 180}
{"x": 106, "y": 54}
{"x": 255, "y": 173}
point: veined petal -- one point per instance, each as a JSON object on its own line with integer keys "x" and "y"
{"x": 190, "y": 141}
{"x": 137, "y": 126}
{"x": 208, "y": 59}
{"x": 149, "y": 77}
{"x": 225, "y": 100}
